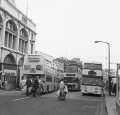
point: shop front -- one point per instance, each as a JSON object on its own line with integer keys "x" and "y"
{"x": 10, "y": 75}
{"x": 118, "y": 90}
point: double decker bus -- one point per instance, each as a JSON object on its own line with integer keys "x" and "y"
{"x": 72, "y": 76}
{"x": 36, "y": 66}
{"x": 92, "y": 79}
{"x": 72, "y": 80}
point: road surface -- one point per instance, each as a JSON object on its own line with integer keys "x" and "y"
{"x": 75, "y": 104}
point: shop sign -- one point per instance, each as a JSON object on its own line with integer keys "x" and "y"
{"x": 26, "y": 67}
{"x": 32, "y": 70}
{"x": 33, "y": 59}
{"x": 70, "y": 69}
{"x": 10, "y": 73}
{"x": 92, "y": 66}
{"x": 10, "y": 67}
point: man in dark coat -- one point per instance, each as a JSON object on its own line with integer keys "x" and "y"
{"x": 35, "y": 86}
{"x": 28, "y": 84}
{"x": 114, "y": 89}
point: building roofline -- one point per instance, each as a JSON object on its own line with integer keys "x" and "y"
{"x": 44, "y": 54}
{"x": 21, "y": 12}
{"x": 18, "y": 20}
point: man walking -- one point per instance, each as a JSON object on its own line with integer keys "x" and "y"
{"x": 28, "y": 84}
{"x": 35, "y": 86}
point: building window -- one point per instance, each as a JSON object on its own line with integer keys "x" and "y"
{"x": 10, "y": 40}
{"x": 20, "y": 44}
{"x": 24, "y": 34}
{"x": 0, "y": 33}
{"x": 1, "y": 23}
{"x": 6, "y": 39}
{"x": 23, "y": 41}
{"x": 10, "y": 35}
{"x": 10, "y": 25}
{"x": 31, "y": 48}
{"x": 32, "y": 36}
{"x": 14, "y": 42}
{"x": 23, "y": 45}
{"x": 48, "y": 78}
{"x": 26, "y": 42}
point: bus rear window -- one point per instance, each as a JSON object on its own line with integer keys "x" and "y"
{"x": 70, "y": 74}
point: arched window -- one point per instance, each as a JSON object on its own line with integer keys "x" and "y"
{"x": 9, "y": 59}
{"x": 10, "y": 35}
{"x": 10, "y": 62}
{"x": 11, "y": 26}
{"x": 23, "y": 41}
{"x": 24, "y": 34}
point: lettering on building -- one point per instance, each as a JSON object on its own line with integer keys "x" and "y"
{"x": 24, "y": 20}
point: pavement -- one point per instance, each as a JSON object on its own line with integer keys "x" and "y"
{"x": 110, "y": 104}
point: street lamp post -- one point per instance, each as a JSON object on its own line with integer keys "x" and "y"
{"x": 109, "y": 79}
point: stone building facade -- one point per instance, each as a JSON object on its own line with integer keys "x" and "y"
{"x": 17, "y": 39}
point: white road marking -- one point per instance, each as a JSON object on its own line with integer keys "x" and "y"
{"x": 10, "y": 93}
{"x": 20, "y": 99}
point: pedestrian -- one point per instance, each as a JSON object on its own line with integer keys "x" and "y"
{"x": 66, "y": 89}
{"x": 28, "y": 85}
{"x": 35, "y": 86}
{"x": 6, "y": 83}
{"x": 40, "y": 89}
{"x": 3, "y": 84}
{"x": 114, "y": 88}
{"x": 44, "y": 87}
{"x": 61, "y": 87}
{"x": 23, "y": 83}
{"x": 110, "y": 87}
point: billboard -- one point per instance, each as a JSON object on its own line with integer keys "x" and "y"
{"x": 33, "y": 59}
{"x": 87, "y": 72}
{"x": 70, "y": 69}
{"x": 93, "y": 66}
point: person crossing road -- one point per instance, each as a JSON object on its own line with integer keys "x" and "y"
{"x": 35, "y": 86}
{"x": 28, "y": 85}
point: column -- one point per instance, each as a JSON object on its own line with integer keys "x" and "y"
{"x": 3, "y": 33}
{"x": 17, "y": 39}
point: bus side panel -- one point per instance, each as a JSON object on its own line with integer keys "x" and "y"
{"x": 87, "y": 89}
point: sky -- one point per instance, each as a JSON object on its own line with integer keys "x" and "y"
{"x": 68, "y": 28}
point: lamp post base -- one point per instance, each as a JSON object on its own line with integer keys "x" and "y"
{"x": 110, "y": 87}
